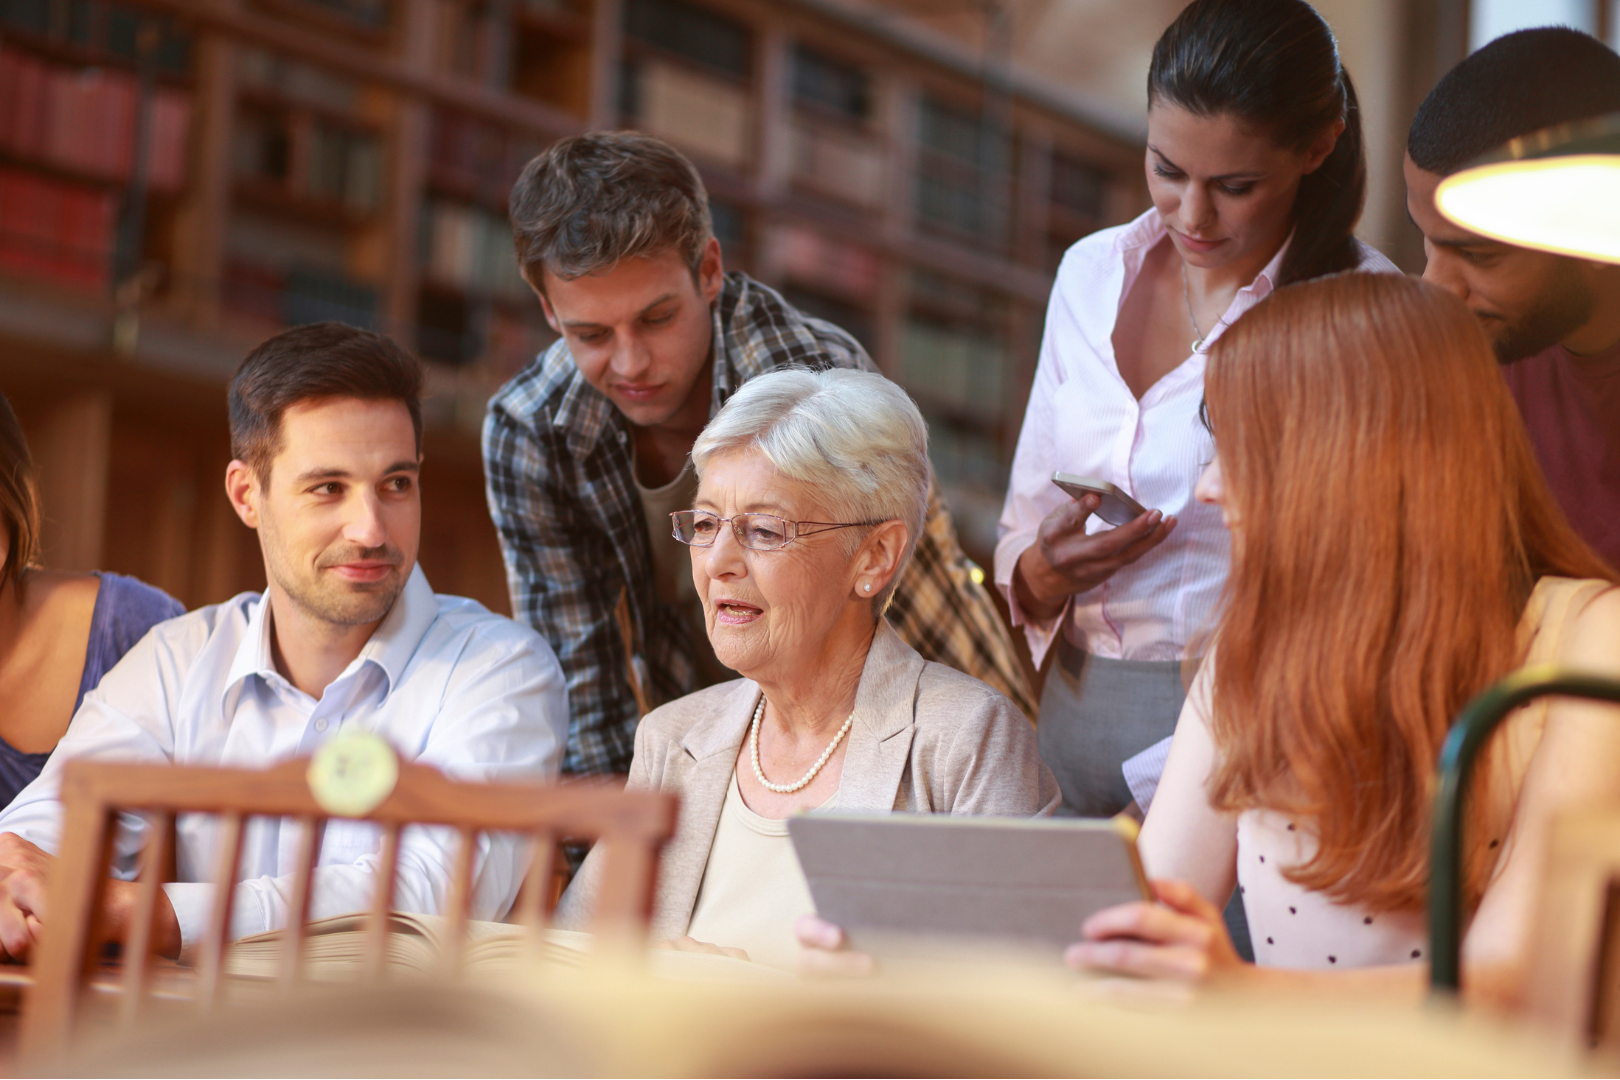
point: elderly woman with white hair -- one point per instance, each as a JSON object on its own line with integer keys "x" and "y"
{"x": 812, "y": 490}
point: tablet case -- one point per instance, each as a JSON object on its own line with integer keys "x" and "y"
{"x": 888, "y": 877}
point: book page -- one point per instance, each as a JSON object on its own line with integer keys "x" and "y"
{"x": 335, "y": 950}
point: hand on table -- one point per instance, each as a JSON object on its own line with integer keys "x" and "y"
{"x": 1182, "y": 937}
{"x": 826, "y": 950}
{"x": 23, "y": 870}
{"x": 1065, "y": 559}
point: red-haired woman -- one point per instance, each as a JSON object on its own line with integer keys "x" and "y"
{"x": 1394, "y": 551}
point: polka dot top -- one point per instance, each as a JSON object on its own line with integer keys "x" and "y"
{"x": 1293, "y": 927}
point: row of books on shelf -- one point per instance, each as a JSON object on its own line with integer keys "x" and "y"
{"x": 301, "y": 293}
{"x": 83, "y": 120}
{"x": 282, "y": 76}
{"x": 812, "y": 257}
{"x": 846, "y": 165}
{"x": 710, "y": 117}
{"x": 475, "y": 159}
{"x": 56, "y": 230}
{"x": 470, "y": 248}
{"x": 955, "y": 368}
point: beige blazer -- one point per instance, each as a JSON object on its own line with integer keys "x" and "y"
{"x": 926, "y": 739}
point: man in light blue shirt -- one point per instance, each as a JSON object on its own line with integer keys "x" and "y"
{"x": 326, "y": 436}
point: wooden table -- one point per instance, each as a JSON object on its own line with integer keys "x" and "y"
{"x": 612, "y": 1021}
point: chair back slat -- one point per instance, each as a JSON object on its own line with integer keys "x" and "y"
{"x": 461, "y": 899}
{"x": 382, "y": 902}
{"x": 625, "y": 901}
{"x": 138, "y": 945}
{"x": 65, "y": 957}
{"x": 535, "y": 897}
{"x": 310, "y": 831}
{"x": 227, "y": 858}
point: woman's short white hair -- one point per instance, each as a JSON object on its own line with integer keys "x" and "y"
{"x": 852, "y": 436}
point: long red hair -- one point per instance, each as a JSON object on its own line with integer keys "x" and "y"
{"x": 1390, "y": 522}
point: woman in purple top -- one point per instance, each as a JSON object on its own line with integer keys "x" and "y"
{"x": 59, "y": 632}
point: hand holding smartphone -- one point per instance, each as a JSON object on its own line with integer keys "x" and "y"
{"x": 1065, "y": 560}
{"x": 1116, "y": 507}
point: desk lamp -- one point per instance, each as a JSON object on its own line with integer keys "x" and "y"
{"x": 1555, "y": 190}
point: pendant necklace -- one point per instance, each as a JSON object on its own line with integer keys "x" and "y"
{"x": 1198, "y": 345}
{"x": 788, "y": 789}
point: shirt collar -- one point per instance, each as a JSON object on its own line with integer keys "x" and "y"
{"x": 390, "y": 646}
{"x": 1135, "y": 240}
{"x": 720, "y": 381}
{"x": 731, "y": 364}
{"x": 1266, "y": 280}
{"x": 1139, "y": 235}
{"x": 584, "y": 412}
{"x": 1148, "y": 229}
{"x": 400, "y": 633}
{"x": 253, "y": 655}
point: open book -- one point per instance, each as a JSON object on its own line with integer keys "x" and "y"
{"x": 336, "y": 947}
{"x": 335, "y": 950}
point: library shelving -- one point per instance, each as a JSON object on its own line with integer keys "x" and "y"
{"x": 181, "y": 178}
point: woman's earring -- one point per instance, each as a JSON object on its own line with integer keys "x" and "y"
{"x": 867, "y": 587}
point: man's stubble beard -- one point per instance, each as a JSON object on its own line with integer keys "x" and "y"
{"x": 337, "y": 606}
{"x": 1562, "y": 308}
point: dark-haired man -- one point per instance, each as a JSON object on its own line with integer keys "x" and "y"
{"x": 1554, "y": 321}
{"x": 326, "y": 428}
{"x": 586, "y": 449}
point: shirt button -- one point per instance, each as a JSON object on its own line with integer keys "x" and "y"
{"x": 320, "y": 725}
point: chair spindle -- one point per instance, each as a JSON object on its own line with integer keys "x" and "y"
{"x": 138, "y": 942}
{"x": 537, "y": 886}
{"x": 228, "y": 857}
{"x": 382, "y": 903}
{"x": 461, "y": 897}
{"x": 626, "y": 891}
{"x": 311, "y": 829}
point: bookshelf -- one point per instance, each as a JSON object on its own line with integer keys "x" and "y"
{"x": 180, "y": 178}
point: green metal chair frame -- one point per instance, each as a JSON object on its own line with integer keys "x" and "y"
{"x": 1458, "y": 757}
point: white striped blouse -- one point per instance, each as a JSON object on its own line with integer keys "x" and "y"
{"x": 1082, "y": 418}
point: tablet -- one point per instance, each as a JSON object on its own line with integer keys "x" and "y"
{"x": 894, "y": 879}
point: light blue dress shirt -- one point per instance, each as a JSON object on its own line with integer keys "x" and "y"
{"x": 443, "y": 680}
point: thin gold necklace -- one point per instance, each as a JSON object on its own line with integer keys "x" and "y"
{"x": 1198, "y": 345}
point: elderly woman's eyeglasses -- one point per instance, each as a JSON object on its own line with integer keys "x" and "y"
{"x": 757, "y": 532}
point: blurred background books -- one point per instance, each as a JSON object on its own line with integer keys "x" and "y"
{"x": 912, "y": 170}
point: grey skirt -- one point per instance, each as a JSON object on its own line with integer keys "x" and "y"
{"x": 1097, "y": 712}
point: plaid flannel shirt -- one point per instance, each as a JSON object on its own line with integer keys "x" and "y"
{"x": 561, "y": 491}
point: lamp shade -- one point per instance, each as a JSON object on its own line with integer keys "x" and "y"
{"x": 1555, "y": 190}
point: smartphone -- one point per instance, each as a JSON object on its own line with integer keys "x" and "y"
{"x": 1117, "y": 508}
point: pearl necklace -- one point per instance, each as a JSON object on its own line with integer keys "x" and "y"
{"x": 788, "y": 789}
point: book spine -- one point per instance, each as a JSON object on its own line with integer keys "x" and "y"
{"x": 171, "y": 129}
{"x": 54, "y": 229}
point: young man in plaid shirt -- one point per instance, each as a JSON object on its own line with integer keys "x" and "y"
{"x": 586, "y": 449}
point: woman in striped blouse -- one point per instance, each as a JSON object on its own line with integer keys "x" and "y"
{"x": 1257, "y": 174}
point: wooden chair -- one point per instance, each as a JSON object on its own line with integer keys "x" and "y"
{"x": 1573, "y": 985}
{"x": 631, "y": 825}
{"x": 1459, "y": 755}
